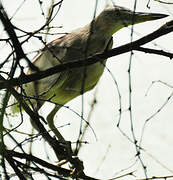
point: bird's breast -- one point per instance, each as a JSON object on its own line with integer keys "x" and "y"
{"x": 84, "y": 77}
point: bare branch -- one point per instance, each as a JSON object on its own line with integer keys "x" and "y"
{"x": 163, "y": 30}
{"x": 60, "y": 170}
{"x": 11, "y": 33}
{"x": 155, "y": 51}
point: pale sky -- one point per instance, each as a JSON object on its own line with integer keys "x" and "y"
{"x": 112, "y": 152}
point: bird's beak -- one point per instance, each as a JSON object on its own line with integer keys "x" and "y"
{"x": 139, "y": 17}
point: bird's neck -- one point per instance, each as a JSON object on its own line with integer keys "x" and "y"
{"x": 105, "y": 26}
{"x": 93, "y": 40}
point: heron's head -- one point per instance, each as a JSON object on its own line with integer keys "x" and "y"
{"x": 115, "y": 18}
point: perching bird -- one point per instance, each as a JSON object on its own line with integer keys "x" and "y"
{"x": 93, "y": 38}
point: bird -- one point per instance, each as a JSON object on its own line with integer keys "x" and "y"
{"x": 84, "y": 42}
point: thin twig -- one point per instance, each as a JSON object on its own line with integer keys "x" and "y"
{"x": 163, "y": 30}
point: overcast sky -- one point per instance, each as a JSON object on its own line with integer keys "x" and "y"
{"x": 116, "y": 150}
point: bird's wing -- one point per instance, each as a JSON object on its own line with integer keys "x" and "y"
{"x": 52, "y": 54}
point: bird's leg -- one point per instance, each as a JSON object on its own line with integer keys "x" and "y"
{"x": 36, "y": 107}
{"x": 67, "y": 144}
{"x": 51, "y": 125}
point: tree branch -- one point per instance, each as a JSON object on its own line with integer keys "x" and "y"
{"x": 15, "y": 168}
{"x": 57, "y": 146}
{"x": 11, "y": 33}
{"x": 155, "y": 51}
{"x": 60, "y": 170}
{"x": 163, "y": 30}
